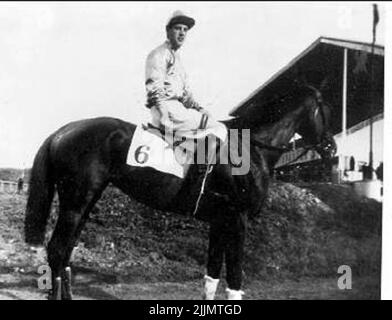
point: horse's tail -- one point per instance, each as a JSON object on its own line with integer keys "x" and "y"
{"x": 41, "y": 190}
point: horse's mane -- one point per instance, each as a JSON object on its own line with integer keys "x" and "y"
{"x": 269, "y": 112}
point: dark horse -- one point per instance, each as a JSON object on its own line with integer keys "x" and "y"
{"x": 83, "y": 157}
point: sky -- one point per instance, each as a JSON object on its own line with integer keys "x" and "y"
{"x": 61, "y": 62}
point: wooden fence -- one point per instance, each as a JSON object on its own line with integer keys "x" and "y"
{"x": 11, "y": 186}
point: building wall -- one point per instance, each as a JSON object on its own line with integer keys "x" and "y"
{"x": 357, "y": 144}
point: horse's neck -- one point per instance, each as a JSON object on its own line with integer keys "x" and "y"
{"x": 280, "y": 133}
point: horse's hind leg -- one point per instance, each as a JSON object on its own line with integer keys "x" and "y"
{"x": 61, "y": 244}
{"x": 74, "y": 210}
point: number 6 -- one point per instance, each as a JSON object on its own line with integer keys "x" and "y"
{"x": 141, "y": 156}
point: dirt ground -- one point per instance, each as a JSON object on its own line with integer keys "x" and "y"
{"x": 19, "y": 274}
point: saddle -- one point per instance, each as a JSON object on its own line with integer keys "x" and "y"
{"x": 161, "y": 133}
{"x": 156, "y": 148}
{"x": 204, "y": 150}
{"x": 204, "y": 147}
{"x": 168, "y": 152}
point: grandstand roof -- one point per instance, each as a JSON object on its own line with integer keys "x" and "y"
{"x": 322, "y": 62}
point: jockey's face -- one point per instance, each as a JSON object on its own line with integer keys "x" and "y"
{"x": 176, "y": 35}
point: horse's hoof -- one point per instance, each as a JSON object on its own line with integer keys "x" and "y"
{"x": 67, "y": 286}
{"x": 55, "y": 292}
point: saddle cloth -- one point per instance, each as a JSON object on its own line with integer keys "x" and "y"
{"x": 165, "y": 153}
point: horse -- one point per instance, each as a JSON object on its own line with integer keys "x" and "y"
{"x": 80, "y": 159}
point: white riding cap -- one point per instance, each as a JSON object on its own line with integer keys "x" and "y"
{"x": 178, "y": 17}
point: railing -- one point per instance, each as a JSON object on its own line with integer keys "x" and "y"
{"x": 289, "y": 156}
{"x": 11, "y": 186}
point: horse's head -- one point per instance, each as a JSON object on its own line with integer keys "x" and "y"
{"x": 315, "y": 126}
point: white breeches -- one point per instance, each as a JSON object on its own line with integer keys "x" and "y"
{"x": 175, "y": 117}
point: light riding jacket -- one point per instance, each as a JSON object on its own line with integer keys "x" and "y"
{"x": 166, "y": 78}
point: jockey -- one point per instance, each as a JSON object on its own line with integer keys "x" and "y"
{"x": 168, "y": 94}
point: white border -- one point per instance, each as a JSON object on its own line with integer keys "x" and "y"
{"x": 386, "y": 273}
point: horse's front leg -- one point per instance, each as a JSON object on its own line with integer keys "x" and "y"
{"x": 234, "y": 253}
{"x": 215, "y": 258}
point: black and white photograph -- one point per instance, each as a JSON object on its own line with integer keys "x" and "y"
{"x": 193, "y": 151}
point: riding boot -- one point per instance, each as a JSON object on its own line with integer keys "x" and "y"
{"x": 234, "y": 294}
{"x": 210, "y": 286}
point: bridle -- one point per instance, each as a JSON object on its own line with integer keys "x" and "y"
{"x": 319, "y": 145}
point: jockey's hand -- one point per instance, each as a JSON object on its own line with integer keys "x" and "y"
{"x": 153, "y": 98}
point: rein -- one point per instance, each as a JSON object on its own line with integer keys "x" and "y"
{"x": 262, "y": 145}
